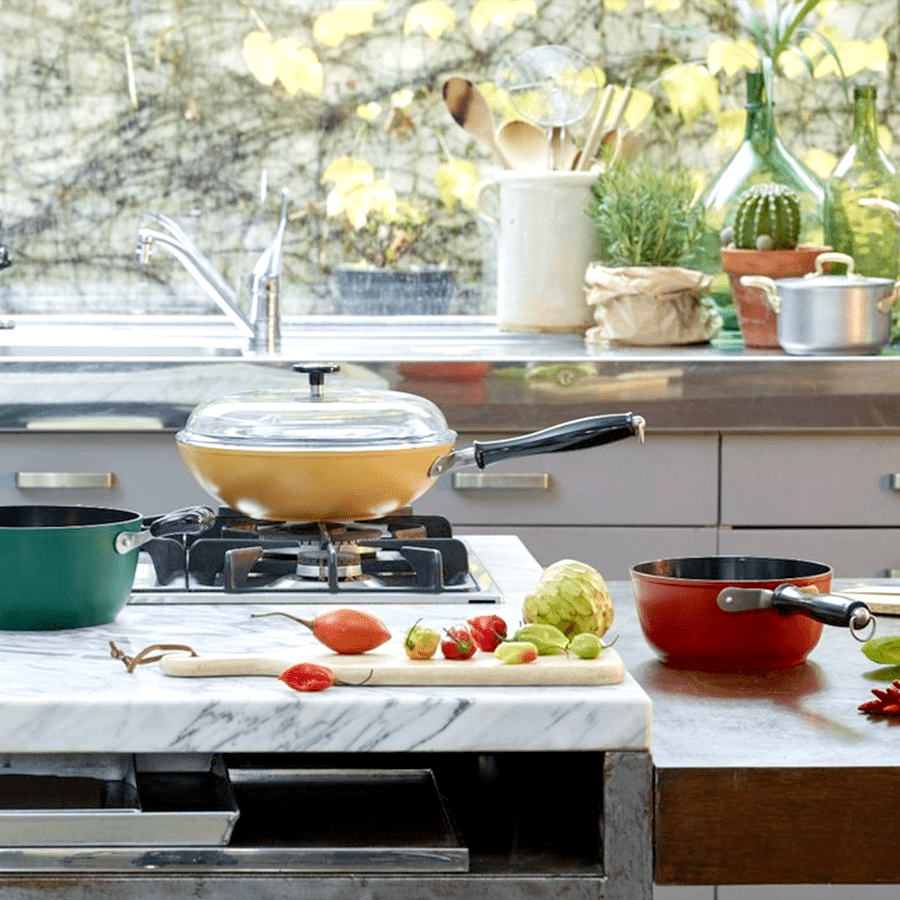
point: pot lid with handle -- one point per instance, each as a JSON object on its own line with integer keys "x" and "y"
{"x": 822, "y": 279}
{"x": 318, "y": 419}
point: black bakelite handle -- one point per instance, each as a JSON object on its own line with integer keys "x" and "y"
{"x": 578, "y": 434}
{"x": 832, "y": 609}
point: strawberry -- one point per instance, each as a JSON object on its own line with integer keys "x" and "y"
{"x": 421, "y": 642}
{"x": 487, "y": 632}
{"x": 458, "y": 644}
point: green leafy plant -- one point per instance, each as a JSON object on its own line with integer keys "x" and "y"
{"x": 646, "y": 216}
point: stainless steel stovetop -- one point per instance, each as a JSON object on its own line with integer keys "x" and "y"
{"x": 400, "y": 559}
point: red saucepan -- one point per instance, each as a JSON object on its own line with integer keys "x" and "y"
{"x": 343, "y": 455}
{"x": 739, "y": 612}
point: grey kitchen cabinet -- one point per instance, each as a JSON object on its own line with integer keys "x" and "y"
{"x": 827, "y": 479}
{"x": 610, "y": 506}
{"x": 138, "y": 471}
{"x": 851, "y": 552}
{"x": 832, "y": 497}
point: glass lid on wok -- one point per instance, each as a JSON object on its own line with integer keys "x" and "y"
{"x": 320, "y": 419}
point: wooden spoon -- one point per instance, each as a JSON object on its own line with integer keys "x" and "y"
{"x": 525, "y": 145}
{"x": 471, "y": 112}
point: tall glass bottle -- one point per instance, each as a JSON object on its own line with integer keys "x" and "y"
{"x": 761, "y": 157}
{"x": 868, "y": 235}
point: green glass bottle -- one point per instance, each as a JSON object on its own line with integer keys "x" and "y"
{"x": 868, "y": 235}
{"x": 761, "y": 157}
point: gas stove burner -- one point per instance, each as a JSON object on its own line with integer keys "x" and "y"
{"x": 402, "y": 556}
{"x": 317, "y": 562}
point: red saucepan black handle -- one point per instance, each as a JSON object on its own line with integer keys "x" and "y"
{"x": 786, "y": 599}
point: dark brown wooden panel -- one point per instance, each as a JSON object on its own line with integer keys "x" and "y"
{"x": 777, "y": 826}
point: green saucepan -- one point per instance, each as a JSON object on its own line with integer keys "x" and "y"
{"x": 72, "y": 566}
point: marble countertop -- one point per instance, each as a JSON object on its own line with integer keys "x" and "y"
{"x": 64, "y": 693}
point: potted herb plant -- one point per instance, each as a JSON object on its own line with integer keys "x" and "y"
{"x": 764, "y": 241}
{"x": 642, "y": 288}
{"x": 383, "y": 238}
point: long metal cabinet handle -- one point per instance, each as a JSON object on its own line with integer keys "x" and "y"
{"x": 64, "y": 480}
{"x": 894, "y": 481}
{"x": 507, "y": 481}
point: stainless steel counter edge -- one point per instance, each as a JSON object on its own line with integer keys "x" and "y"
{"x": 483, "y": 380}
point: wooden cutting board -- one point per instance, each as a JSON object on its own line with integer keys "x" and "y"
{"x": 389, "y": 665}
{"x": 882, "y": 600}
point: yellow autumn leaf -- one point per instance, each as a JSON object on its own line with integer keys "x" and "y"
{"x": 434, "y": 17}
{"x": 730, "y": 127}
{"x": 819, "y": 162}
{"x": 502, "y": 13}
{"x": 690, "y": 90}
{"x": 457, "y": 181}
{"x": 298, "y": 68}
{"x": 349, "y": 17}
{"x": 368, "y": 112}
{"x": 615, "y": 5}
{"x": 639, "y": 107}
{"x": 731, "y": 56}
{"x": 854, "y": 56}
{"x": 348, "y": 168}
{"x": 662, "y": 5}
{"x": 356, "y": 193}
{"x": 402, "y": 98}
{"x": 259, "y": 54}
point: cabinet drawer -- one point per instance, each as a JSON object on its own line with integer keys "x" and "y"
{"x": 851, "y": 552}
{"x": 669, "y": 480}
{"x": 794, "y": 479}
{"x": 140, "y": 472}
{"x": 613, "y": 551}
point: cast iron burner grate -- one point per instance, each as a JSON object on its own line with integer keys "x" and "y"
{"x": 401, "y": 553}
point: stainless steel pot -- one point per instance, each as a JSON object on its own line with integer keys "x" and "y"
{"x": 821, "y": 314}
{"x": 338, "y": 455}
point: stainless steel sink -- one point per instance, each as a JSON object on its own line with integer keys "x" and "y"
{"x": 387, "y": 338}
{"x": 51, "y": 337}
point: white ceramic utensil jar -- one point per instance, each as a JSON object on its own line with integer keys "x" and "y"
{"x": 545, "y": 240}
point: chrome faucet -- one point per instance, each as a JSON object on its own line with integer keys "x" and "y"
{"x": 262, "y": 325}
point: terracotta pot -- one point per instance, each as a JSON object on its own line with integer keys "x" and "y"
{"x": 758, "y": 321}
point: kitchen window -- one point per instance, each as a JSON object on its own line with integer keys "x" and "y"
{"x": 206, "y": 111}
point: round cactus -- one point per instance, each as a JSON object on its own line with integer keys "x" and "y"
{"x": 767, "y": 218}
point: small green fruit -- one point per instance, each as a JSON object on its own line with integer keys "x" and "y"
{"x": 548, "y": 639}
{"x": 516, "y": 652}
{"x": 586, "y": 645}
{"x": 421, "y": 642}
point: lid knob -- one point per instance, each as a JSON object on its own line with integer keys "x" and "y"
{"x": 317, "y": 373}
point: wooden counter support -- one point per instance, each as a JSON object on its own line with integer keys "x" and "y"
{"x": 777, "y": 826}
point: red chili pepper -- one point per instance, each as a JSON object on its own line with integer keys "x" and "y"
{"x": 347, "y": 631}
{"x": 458, "y": 644}
{"x": 886, "y": 702}
{"x": 487, "y": 632}
{"x": 308, "y": 677}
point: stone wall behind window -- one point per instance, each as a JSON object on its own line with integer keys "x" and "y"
{"x": 113, "y": 107}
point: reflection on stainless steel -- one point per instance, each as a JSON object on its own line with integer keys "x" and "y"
{"x": 484, "y": 381}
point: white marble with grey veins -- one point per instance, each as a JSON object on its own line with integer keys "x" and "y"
{"x": 63, "y": 693}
